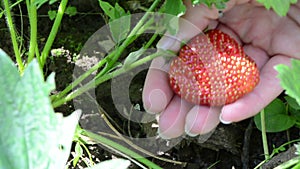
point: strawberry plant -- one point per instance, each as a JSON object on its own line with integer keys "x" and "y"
{"x": 29, "y": 121}
{"x": 281, "y": 115}
{"x": 213, "y": 70}
{"x": 30, "y": 104}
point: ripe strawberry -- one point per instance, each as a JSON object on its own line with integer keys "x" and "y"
{"x": 212, "y": 69}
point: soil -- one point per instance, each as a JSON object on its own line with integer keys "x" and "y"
{"x": 236, "y": 145}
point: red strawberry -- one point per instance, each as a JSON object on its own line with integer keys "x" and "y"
{"x": 212, "y": 69}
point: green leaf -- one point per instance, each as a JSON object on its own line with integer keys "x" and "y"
{"x": 133, "y": 56}
{"x": 78, "y": 154}
{"x": 112, "y": 164}
{"x": 292, "y": 102}
{"x": 290, "y": 78}
{"x": 71, "y": 10}
{"x": 108, "y": 9}
{"x": 52, "y": 14}
{"x": 120, "y": 28}
{"x": 281, "y": 7}
{"x": 276, "y": 118}
{"x": 219, "y": 4}
{"x": 294, "y": 113}
{"x": 119, "y": 11}
{"x": 293, "y": 107}
{"x": 119, "y": 22}
{"x": 32, "y": 135}
{"x": 174, "y": 9}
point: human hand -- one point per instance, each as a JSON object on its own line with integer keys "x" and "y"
{"x": 267, "y": 38}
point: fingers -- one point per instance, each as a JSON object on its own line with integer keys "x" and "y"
{"x": 157, "y": 93}
{"x": 201, "y": 120}
{"x": 266, "y": 91}
{"x": 181, "y": 117}
{"x": 265, "y": 29}
{"x": 172, "y": 119}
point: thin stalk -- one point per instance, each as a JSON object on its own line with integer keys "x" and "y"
{"x": 79, "y": 79}
{"x": 90, "y": 71}
{"x": 112, "y": 57}
{"x": 11, "y": 6}
{"x": 293, "y": 163}
{"x": 298, "y": 165}
{"x": 32, "y": 10}
{"x": 53, "y": 32}
{"x": 104, "y": 78}
{"x": 151, "y": 40}
{"x": 13, "y": 36}
{"x": 120, "y": 148}
{"x": 264, "y": 135}
{"x": 120, "y": 136}
{"x": 130, "y": 38}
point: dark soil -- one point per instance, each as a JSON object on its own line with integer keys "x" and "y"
{"x": 237, "y": 145}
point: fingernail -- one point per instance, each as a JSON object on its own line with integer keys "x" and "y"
{"x": 161, "y": 135}
{"x": 224, "y": 121}
{"x": 189, "y": 133}
{"x": 157, "y": 101}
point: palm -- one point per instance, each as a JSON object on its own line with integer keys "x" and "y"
{"x": 267, "y": 38}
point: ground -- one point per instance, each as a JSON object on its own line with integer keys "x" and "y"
{"x": 236, "y": 145}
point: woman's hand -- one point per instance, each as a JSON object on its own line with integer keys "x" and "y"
{"x": 266, "y": 38}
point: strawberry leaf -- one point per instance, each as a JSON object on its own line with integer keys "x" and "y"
{"x": 52, "y": 14}
{"x": 71, "y": 10}
{"x": 290, "y": 79}
{"x": 133, "y": 56}
{"x": 276, "y": 117}
{"x": 119, "y": 22}
{"x": 281, "y": 7}
{"x": 173, "y": 10}
{"x": 174, "y": 7}
{"x": 292, "y": 102}
{"x": 32, "y": 135}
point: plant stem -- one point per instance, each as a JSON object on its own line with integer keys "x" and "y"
{"x": 290, "y": 164}
{"x": 32, "y": 11}
{"x": 13, "y": 36}
{"x": 104, "y": 78}
{"x": 130, "y": 38}
{"x": 52, "y": 35}
{"x": 264, "y": 135}
{"x": 79, "y": 80}
{"x": 121, "y": 148}
{"x": 113, "y": 56}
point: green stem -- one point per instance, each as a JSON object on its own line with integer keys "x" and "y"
{"x": 264, "y": 135}
{"x": 120, "y": 148}
{"x": 130, "y": 38}
{"x": 54, "y": 30}
{"x": 13, "y": 36}
{"x": 33, "y": 29}
{"x": 290, "y": 164}
{"x": 104, "y": 78}
{"x": 11, "y": 6}
{"x": 298, "y": 164}
{"x": 113, "y": 56}
{"x": 79, "y": 79}
{"x": 150, "y": 42}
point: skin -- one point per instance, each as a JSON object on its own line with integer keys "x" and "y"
{"x": 267, "y": 38}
